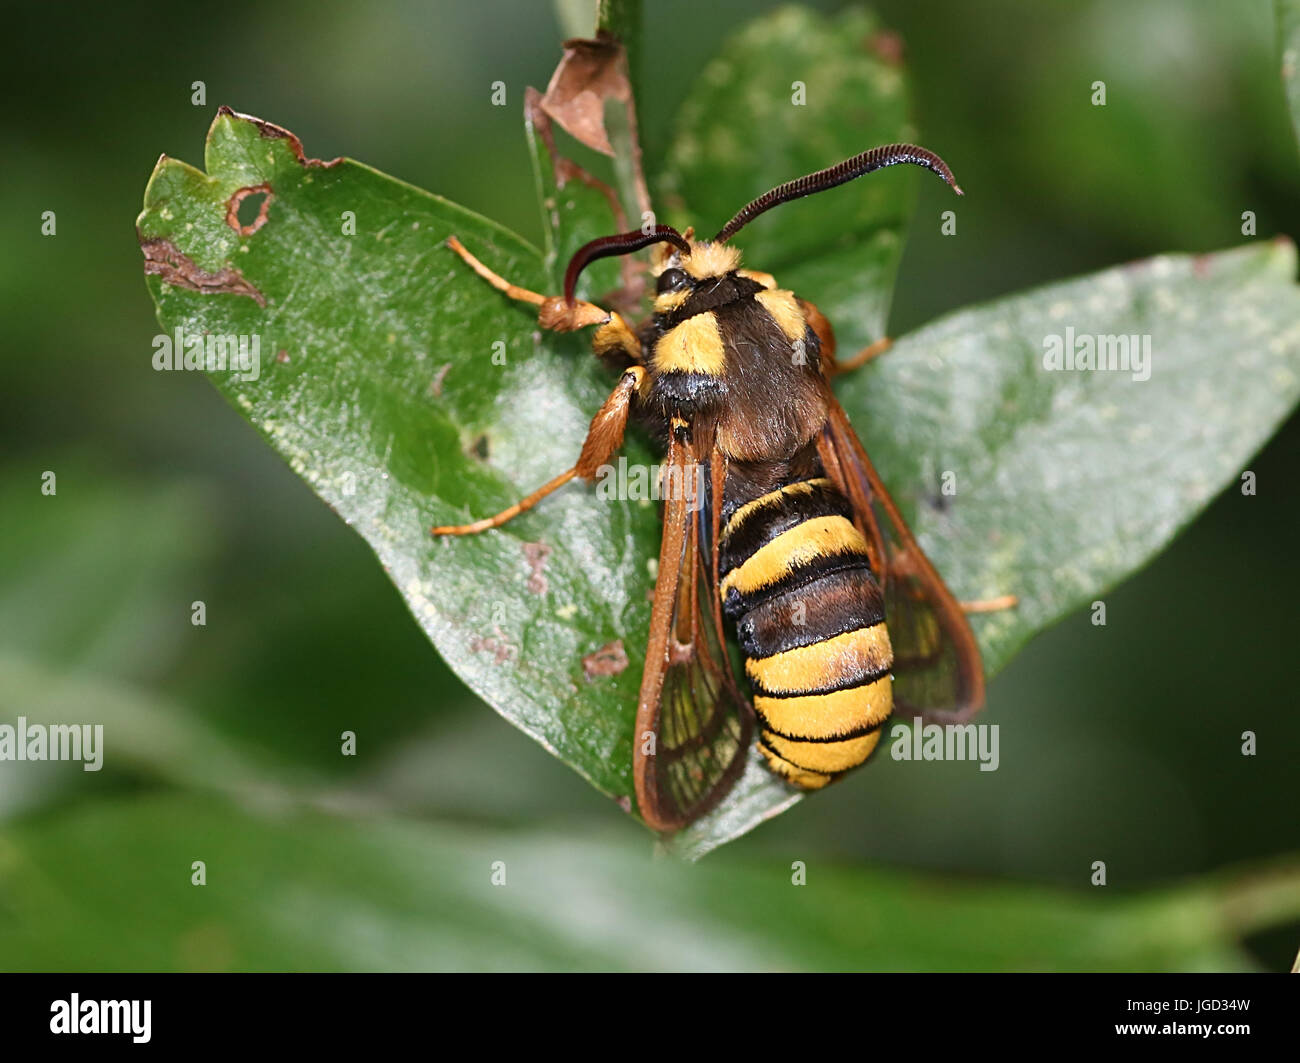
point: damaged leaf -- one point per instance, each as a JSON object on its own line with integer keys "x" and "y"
{"x": 418, "y": 395}
{"x": 163, "y": 259}
{"x": 591, "y": 73}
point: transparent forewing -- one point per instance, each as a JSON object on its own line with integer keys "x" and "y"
{"x": 928, "y": 675}
{"x": 694, "y": 727}
{"x": 937, "y": 668}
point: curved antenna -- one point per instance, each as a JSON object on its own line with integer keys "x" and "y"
{"x": 623, "y": 244}
{"x": 875, "y": 159}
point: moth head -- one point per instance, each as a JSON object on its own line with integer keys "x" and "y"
{"x": 706, "y": 260}
{"x": 681, "y": 262}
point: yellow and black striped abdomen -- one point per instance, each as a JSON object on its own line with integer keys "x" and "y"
{"x": 811, "y": 622}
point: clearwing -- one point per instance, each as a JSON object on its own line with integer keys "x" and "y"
{"x": 938, "y": 673}
{"x": 694, "y": 726}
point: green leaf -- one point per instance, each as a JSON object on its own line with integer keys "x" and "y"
{"x": 402, "y": 896}
{"x": 740, "y": 132}
{"x": 378, "y": 385}
{"x": 1066, "y": 482}
{"x": 1288, "y": 36}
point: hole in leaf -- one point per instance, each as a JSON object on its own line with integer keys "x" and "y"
{"x": 247, "y": 210}
{"x": 250, "y": 210}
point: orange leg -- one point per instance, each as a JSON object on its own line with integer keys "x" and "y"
{"x": 603, "y": 438}
{"x": 553, "y": 313}
{"x": 862, "y": 357}
{"x": 495, "y": 279}
{"x": 826, "y": 335}
{"x": 510, "y": 512}
{"x": 991, "y": 605}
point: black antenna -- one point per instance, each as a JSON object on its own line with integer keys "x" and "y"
{"x": 875, "y": 159}
{"x": 623, "y": 244}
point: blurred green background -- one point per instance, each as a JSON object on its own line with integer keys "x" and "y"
{"x": 1119, "y": 744}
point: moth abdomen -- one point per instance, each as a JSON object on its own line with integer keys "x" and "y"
{"x": 810, "y": 620}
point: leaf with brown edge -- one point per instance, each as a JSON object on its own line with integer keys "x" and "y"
{"x": 415, "y": 394}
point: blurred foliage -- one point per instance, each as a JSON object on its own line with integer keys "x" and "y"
{"x": 1119, "y": 743}
{"x": 1288, "y": 38}
{"x": 292, "y": 889}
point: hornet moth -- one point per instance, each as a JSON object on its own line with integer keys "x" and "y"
{"x": 774, "y": 521}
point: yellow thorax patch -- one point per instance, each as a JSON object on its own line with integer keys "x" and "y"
{"x": 785, "y": 311}
{"x": 694, "y": 346}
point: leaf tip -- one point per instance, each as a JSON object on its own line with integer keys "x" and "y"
{"x": 227, "y": 116}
